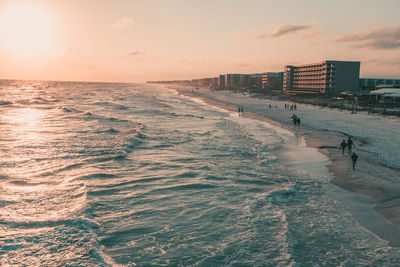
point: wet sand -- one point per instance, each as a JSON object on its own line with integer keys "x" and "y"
{"x": 375, "y": 207}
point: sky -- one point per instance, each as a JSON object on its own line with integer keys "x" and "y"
{"x": 140, "y": 40}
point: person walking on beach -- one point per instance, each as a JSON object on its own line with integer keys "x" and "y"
{"x": 298, "y": 121}
{"x": 349, "y": 144}
{"x": 343, "y": 145}
{"x": 294, "y": 117}
{"x": 354, "y": 158}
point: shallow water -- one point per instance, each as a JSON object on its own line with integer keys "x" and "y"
{"x": 103, "y": 174}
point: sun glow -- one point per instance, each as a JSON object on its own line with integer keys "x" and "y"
{"x": 27, "y": 30}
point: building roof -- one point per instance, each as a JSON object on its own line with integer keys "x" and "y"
{"x": 355, "y": 93}
{"x": 322, "y": 62}
{"x": 387, "y": 92}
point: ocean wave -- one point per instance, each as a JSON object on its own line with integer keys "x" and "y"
{"x": 146, "y": 182}
{"x": 192, "y": 186}
{"x": 70, "y": 242}
{"x": 135, "y": 181}
{"x": 169, "y": 113}
{"x": 110, "y": 157}
{"x": 5, "y": 103}
{"x": 98, "y": 176}
{"x": 32, "y": 224}
{"x": 42, "y": 203}
{"x": 283, "y": 193}
{"x": 109, "y": 131}
{"x": 187, "y": 174}
{"x": 112, "y": 104}
{"x": 90, "y": 116}
{"x": 42, "y": 101}
{"x": 122, "y": 236}
{"x": 66, "y": 109}
{"x": 54, "y": 170}
{"x": 186, "y": 115}
{"x": 104, "y": 192}
{"x": 131, "y": 143}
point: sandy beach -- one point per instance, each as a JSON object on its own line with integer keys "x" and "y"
{"x": 371, "y": 192}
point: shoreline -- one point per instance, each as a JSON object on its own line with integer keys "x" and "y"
{"x": 374, "y": 199}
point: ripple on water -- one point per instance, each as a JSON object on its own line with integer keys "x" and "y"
{"x": 134, "y": 174}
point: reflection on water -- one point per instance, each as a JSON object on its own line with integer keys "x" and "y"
{"x": 26, "y": 124}
{"x": 96, "y": 174}
{"x": 43, "y": 217}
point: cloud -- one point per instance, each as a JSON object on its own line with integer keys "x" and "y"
{"x": 380, "y": 44}
{"x": 285, "y": 29}
{"x": 385, "y": 37}
{"x": 136, "y": 53}
{"x": 383, "y": 61}
{"x": 312, "y": 34}
{"x": 123, "y": 23}
{"x": 281, "y": 30}
{"x": 259, "y": 36}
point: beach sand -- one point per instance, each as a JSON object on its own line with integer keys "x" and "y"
{"x": 375, "y": 206}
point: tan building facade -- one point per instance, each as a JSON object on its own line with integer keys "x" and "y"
{"x": 327, "y": 77}
{"x": 272, "y": 80}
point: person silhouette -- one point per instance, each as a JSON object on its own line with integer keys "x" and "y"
{"x": 349, "y": 144}
{"x": 343, "y": 145}
{"x": 294, "y": 117}
{"x": 354, "y": 158}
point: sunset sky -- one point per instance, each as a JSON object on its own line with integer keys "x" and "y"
{"x": 139, "y": 40}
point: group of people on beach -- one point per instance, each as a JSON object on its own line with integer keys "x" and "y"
{"x": 296, "y": 120}
{"x": 291, "y": 107}
{"x": 240, "y": 109}
{"x": 349, "y": 144}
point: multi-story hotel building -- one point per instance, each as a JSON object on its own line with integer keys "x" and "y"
{"x": 237, "y": 80}
{"x": 327, "y": 77}
{"x": 205, "y": 82}
{"x": 222, "y": 81}
{"x": 272, "y": 80}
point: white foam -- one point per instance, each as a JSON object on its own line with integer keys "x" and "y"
{"x": 293, "y": 151}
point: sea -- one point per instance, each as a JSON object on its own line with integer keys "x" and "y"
{"x": 107, "y": 174}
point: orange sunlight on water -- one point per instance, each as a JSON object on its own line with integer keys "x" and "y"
{"x": 27, "y": 129}
{"x": 27, "y": 124}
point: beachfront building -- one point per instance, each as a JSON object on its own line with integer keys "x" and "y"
{"x": 387, "y": 93}
{"x": 177, "y": 82}
{"x": 256, "y": 80}
{"x": 238, "y": 81}
{"x": 272, "y": 81}
{"x": 205, "y": 82}
{"x": 372, "y": 83}
{"x": 326, "y": 77}
{"x": 222, "y": 81}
